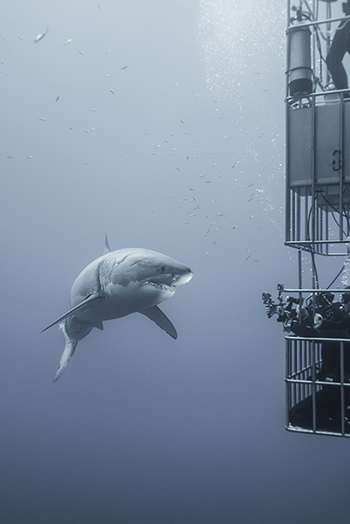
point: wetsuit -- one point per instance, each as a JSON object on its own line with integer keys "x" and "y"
{"x": 340, "y": 45}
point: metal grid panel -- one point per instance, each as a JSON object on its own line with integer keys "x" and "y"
{"x": 315, "y": 402}
{"x": 317, "y": 172}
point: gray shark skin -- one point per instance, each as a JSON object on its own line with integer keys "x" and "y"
{"x": 115, "y": 285}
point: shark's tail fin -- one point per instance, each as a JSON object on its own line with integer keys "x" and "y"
{"x": 67, "y": 354}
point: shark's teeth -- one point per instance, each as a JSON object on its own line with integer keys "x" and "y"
{"x": 160, "y": 285}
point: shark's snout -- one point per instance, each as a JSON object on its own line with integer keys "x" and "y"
{"x": 183, "y": 278}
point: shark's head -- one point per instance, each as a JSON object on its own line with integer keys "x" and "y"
{"x": 164, "y": 271}
{"x": 154, "y": 274}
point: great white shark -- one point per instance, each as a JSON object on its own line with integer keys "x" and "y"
{"x": 114, "y": 285}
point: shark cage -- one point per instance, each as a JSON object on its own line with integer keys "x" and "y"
{"x": 317, "y": 221}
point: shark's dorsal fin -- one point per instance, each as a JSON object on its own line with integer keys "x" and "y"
{"x": 107, "y": 249}
{"x": 94, "y": 296}
{"x": 157, "y": 315}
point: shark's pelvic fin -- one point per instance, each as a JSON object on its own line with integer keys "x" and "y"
{"x": 82, "y": 304}
{"x": 157, "y": 315}
{"x": 97, "y": 324}
{"x": 107, "y": 249}
{"x": 67, "y": 353}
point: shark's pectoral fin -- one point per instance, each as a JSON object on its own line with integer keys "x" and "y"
{"x": 67, "y": 353}
{"x": 93, "y": 296}
{"x": 157, "y": 315}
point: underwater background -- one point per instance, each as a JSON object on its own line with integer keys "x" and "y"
{"x": 161, "y": 124}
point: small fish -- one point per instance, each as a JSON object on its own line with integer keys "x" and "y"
{"x": 40, "y": 36}
{"x": 122, "y": 68}
{"x": 68, "y": 41}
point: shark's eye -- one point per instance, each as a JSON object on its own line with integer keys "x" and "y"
{"x": 162, "y": 269}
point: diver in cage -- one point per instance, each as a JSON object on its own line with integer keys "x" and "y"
{"x": 319, "y": 317}
{"x": 340, "y": 46}
{"x": 334, "y": 314}
{"x": 330, "y": 351}
{"x": 331, "y": 320}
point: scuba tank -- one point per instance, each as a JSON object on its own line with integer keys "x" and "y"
{"x": 299, "y": 61}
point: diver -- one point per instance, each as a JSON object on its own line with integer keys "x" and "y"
{"x": 340, "y": 46}
{"x": 334, "y": 314}
{"x": 330, "y": 351}
{"x": 331, "y": 320}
